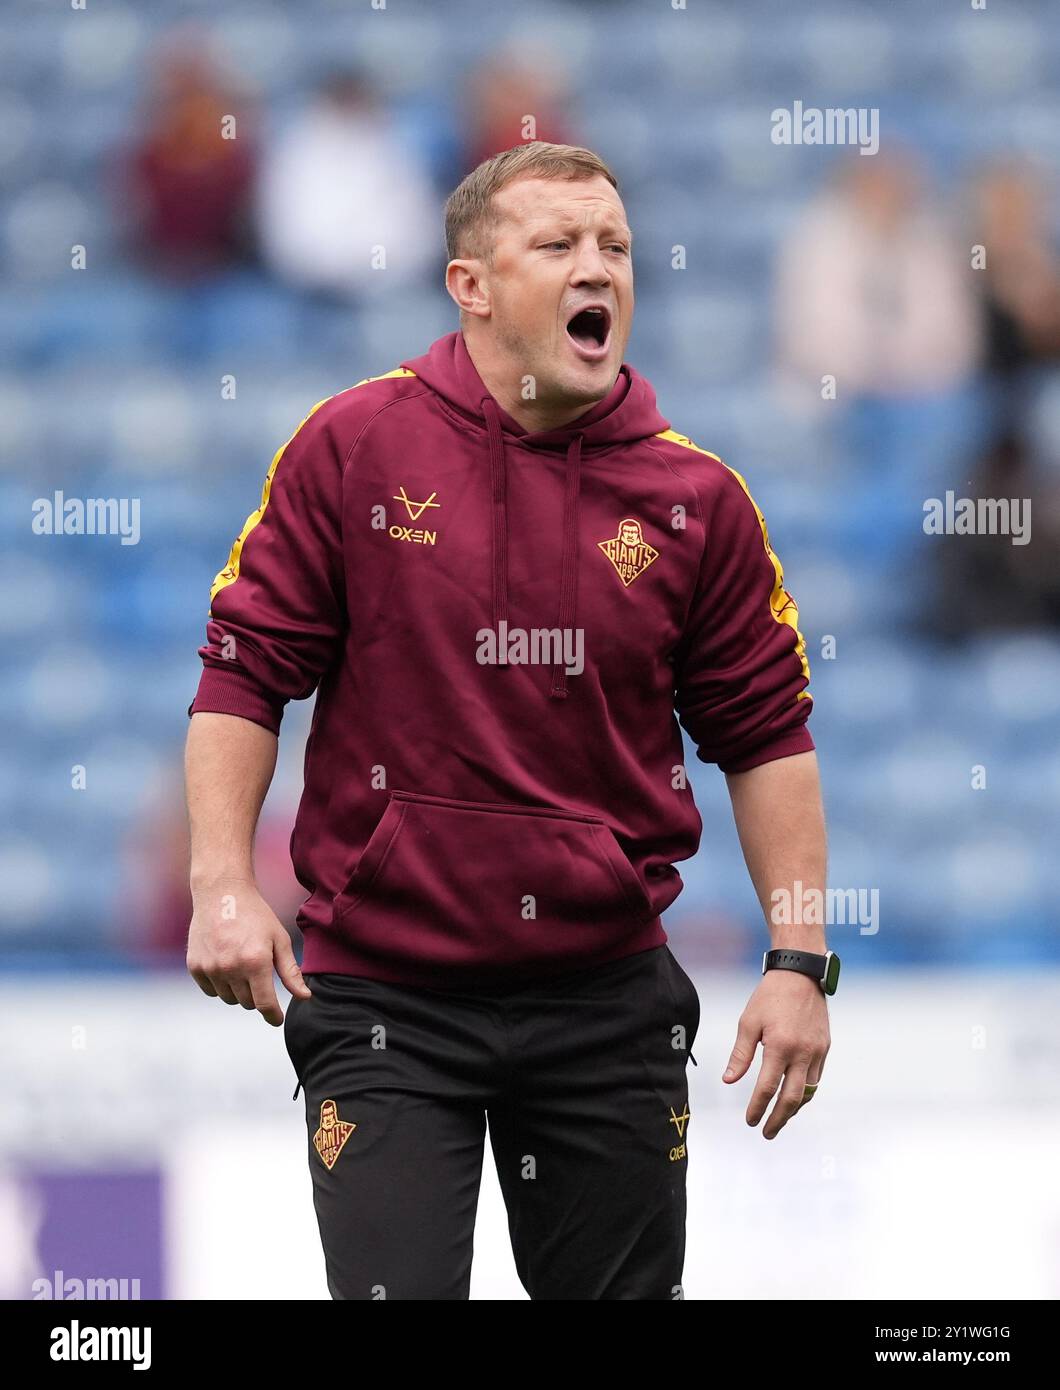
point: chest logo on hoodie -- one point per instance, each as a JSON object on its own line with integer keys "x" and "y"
{"x": 420, "y": 536}
{"x": 629, "y": 552}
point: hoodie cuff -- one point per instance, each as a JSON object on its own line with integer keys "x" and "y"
{"x": 234, "y": 692}
{"x": 784, "y": 746}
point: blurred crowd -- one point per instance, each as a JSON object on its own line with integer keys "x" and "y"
{"x": 336, "y": 192}
{"x": 936, "y": 330}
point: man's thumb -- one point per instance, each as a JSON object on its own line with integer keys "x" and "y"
{"x": 741, "y": 1056}
{"x": 287, "y": 968}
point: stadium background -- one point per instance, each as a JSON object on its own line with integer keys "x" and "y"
{"x": 147, "y": 1132}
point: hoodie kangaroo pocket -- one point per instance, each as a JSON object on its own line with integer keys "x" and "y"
{"x": 480, "y": 883}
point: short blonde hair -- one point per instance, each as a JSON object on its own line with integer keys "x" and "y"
{"x": 471, "y": 219}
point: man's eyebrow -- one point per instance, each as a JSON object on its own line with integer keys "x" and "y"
{"x": 561, "y": 223}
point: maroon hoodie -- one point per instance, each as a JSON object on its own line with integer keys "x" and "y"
{"x": 482, "y": 806}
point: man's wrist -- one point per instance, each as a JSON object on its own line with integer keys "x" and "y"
{"x": 796, "y": 913}
{"x": 208, "y": 878}
{"x": 799, "y": 939}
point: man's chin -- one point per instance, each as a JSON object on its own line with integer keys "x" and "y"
{"x": 584, "y": 383}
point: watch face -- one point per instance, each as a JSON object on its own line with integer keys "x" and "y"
{"x": 831, "y": 973}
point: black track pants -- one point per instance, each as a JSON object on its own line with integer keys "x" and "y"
{"x": 583, "y": 1081}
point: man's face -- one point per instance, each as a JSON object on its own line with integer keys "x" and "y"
{"x": 561, "y": 245}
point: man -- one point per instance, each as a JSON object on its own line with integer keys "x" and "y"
{"x": 488, "y": 830}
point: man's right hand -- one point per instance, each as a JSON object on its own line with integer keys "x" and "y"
{"x": 235, "y": 942}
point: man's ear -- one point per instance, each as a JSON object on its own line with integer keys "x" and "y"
{"x": 467, "y": 285}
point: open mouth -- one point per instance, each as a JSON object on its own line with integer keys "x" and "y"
{"x": 590, "y": 331}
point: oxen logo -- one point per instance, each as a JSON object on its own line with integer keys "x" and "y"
{"x": 415, "y": 509}
{"x": 629, "y": 552}
{"x": 419, "y": 536}
{"x": 679, "y": 1151}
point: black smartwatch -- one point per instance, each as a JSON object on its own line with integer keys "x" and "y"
{"x": 824, "y": 969}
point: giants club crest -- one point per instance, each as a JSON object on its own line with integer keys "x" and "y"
{"x": 629, "y": 552}
{"x": 332, "y": 1134}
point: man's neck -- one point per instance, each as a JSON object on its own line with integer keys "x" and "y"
{"x": 505, "y": 386}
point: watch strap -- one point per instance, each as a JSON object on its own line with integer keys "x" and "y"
{"x": 810, "y": 963}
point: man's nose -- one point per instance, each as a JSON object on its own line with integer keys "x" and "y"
{"x": 590, "y": 265}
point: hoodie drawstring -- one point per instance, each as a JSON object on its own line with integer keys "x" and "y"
{"x": 568, "y": 598}
{"x": 568, "y": 601}
{"x": 499, "y": 514}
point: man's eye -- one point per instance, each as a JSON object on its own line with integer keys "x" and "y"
{"x": 615, "y": 246}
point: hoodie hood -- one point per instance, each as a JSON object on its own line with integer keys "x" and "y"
{"x": 627, "y": 413}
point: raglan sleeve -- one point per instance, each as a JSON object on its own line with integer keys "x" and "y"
{"x": 277, "y": 610}
{"x": 740, "y": 667}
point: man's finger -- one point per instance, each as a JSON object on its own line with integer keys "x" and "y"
{"x": 287, "y": 968}
{"x": 813, "y": 1078}
{"x": 203, "y": 981}
{"x": 743, "y": 1052}
{"x": 821, "y": 1061}
{"x": 769, "y": 1078}
{"x": 241, "y": 989}
{"x": 224, "y": 989}
{"x": 263, "y": 993}
{"x": 789, "y": 1102}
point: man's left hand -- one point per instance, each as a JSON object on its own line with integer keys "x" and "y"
{"x": 788, "y": 1014}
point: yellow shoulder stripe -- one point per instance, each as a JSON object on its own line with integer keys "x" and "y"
{"x": 230, "y": 573}
{"x": 676, "y": 438}
{"x": 781, "y": 604}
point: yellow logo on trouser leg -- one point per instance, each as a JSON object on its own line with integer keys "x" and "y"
{"x": 332, "y": 1134}
{"x": 679, "y": 1151}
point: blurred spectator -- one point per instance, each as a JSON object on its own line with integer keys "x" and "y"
{"x": 873, "y": 290}
{"x": 1010, "y": 586}
{"x": 189, "y": 180}
{"x": 338, "y": 184}
{"x": 500, "y": 96}
{"x": 1006, "y": 586}
{"x": 1020, "y": 281}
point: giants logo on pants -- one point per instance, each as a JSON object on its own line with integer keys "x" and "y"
{"x": 332, "y": 1134}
